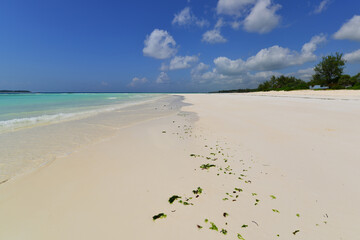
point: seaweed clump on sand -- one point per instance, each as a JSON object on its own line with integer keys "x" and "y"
{"x": 159, "y": 216}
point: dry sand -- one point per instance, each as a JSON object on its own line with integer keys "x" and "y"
{"x": 301, "y": 150}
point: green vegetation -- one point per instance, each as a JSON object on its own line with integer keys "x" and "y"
{"x": 240, "y": 237}
{"x": 14, "y": 91}
{"x": 160, "y": 215}
{"x": 206, "y": 166}
{"x": 272, "y": 196}
{"x": 276, "y": 211}
{"x": 329, "y": 70}
{"x": 173, "y": 198}
{"x": 213, "y": 226}
{"x": 283, "y": 83}
{"x": 223, "y": 231}
{"x": 328, "y": 73}
{"x": 199, "y": 190}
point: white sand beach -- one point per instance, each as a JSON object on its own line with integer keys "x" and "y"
{"x": 286, "y": 166}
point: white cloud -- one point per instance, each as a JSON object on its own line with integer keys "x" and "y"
{"x": 200, "y": 68}
{"x": 353, "y": 57}
{"x": 162, "y": 78}
{"x": 235, "y": 25}
{"x": 233, "y": 7}
{"x": 135, "y": 81}
{"x": 179, "y": 62}
{"x": 350, "y": 30}
{"x": 277, "y": 57}
{"x": 186, "y": 17}
{"x": 213, "y": 36}
{"x": 263, "y": 17}
{"x": 227, "y": 66}
{"x": 303, "y": 74}
{"x": 308, "y": 49}
{"x": 160, "y": 45}
{"x": 322, "y": 6}
{"x": 266, "y": 61}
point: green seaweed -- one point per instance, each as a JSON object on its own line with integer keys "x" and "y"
{"x": 272, "y": 196}
{"x": 225, "y": 214}
{"x": 298, "y": 215}
{"x": 206, "y": 220}
{"x": 240, "y": 237}
{"x": 244, "y": 226}
{"x": 199, "y": 190}
{"x": 173, "y": 198}
{"x": 158, "y": 216}
{"x": 207, "y": 166}
{"x": 213, "y": 227}
{"x": 199, "y": 227}
{"x": 223, "y": 231}
{"x": 276, "y": 211}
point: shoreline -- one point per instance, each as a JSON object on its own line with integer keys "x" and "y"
{"x": 292, "y": 158}
{"x": 25, "y": 150}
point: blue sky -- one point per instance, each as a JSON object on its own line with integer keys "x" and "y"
{"x": 170, "y": 46}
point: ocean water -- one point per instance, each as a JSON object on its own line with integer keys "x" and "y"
{"x": 19, "y": 111}
{"x": 36, "y": 129}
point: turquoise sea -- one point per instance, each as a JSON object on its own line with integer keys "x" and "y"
{"x": 19, "y": 111}
{"x": 37, "y": 128}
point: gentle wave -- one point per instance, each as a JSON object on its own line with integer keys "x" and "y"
{"x": 21, "y": 123}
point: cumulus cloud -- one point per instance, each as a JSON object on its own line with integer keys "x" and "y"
{"x": 304, "y": 74}
{"x": 233, "y": 7}
{"x": 227, "y": 66}
{"x": 179, "y": 62}
{"x": 353, "y": 57}
{"x": 198, "y": 71}
{"x": 264, "y": 63}
{"x": 135, "y": 81}
{"x": 263, "y": 17}
{"x": 322, "y": 6}
{"x": 214, "y": 36}
{"x": 350, "y": 30}
{"x": 186, "y": 17}
{"x": 160, "y": 45}
{"x": 162, "y": 78}
{"x": 277, "y": 57}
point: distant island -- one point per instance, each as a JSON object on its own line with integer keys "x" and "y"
{"x": 14, "y": 91}
{"x": 328, "y": 75}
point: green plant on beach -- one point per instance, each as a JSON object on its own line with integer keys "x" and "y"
{"x": 198, "y": 190}
{"x": 207, "y": 166}
{"x": 159, "y": 216}
{"x": 240, "y": 237}
{"x": 213, "y": 227}
{"x": 223, "y": 231}
{"x": 173, "y": 198}
{"x": 276, "y": 211}
{"x": 272, "y": 196}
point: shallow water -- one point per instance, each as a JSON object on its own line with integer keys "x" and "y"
{"x": 28, "y": 147}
